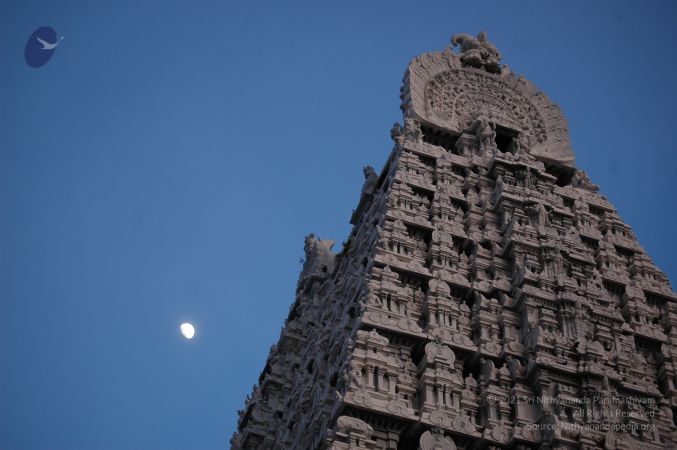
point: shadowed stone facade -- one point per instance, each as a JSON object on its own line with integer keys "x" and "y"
{"x": 488, "y": 296}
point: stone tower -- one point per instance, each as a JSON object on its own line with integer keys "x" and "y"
{"x": 488, "y": 296}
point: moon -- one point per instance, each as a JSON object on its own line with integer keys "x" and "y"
{"x": 187, "y": 330}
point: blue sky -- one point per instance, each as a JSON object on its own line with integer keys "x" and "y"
{"x": 167, "y": 162}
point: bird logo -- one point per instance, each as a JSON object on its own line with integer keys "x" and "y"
{"x": 41, "y": 46}
{"x": 46, "y": 45}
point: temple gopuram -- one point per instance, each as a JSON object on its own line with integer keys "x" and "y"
{"x": 488, "y": 296}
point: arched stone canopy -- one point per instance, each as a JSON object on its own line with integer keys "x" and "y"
{"x": 439, "y": 90}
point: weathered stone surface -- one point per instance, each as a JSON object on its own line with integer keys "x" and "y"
{"x": 487, "y": 297}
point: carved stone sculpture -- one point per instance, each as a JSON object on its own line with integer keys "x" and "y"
{"x": 436, "y": 440}
{"x": 349, "y": 425}
{"x": 485, "y": 133}
{"x": 412, "y": 130}
{"x": 396, "y": 133}
{"x": 478, "y": 51}
{"x": 370, "y": 180}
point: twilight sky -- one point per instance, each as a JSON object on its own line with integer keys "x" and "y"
{"x": 167, "y": 162}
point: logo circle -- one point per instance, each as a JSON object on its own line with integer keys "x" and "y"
{"x": 39, "y": 47}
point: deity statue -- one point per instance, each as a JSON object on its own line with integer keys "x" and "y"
{"x": 412, "y": 130}
{"x": 484, "y": 132}
{"x": 354, "y": 375}
{"x": 370, "y": 180}
{"x": 521, "y": 145}
{"x": 541, "y": 216}
{"x": 582, "y": 180}
{"x": 375, "y": 300}
{"x": 396, "y": 133}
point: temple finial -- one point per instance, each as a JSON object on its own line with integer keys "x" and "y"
{"x": 478, "y": 51}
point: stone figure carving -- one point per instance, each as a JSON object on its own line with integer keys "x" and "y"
{"x": 541, "y": 216}
{"x": 484, "y": 132}
{"x": 478, "y": 51}
{"x": 375, "y": 300}
{"x": 350, "y": 425}
{"x": 462, "y": 423}
{"x": 404, "y": 376}
{"x": 397, "y": 133}
{"x": 354, "y": 375}
{"x": 438, "y": 286}
{"x": 436, "y": 440}
{"x": 412, "y": 130}
{"x": 370, "y": 180}
{"x": 437, "y": 350}
{"x": 520, "y": 145}
{"x": 581, "y": 180}
{"x": 375, "y": 337}
{"x": 398, "y": 405}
